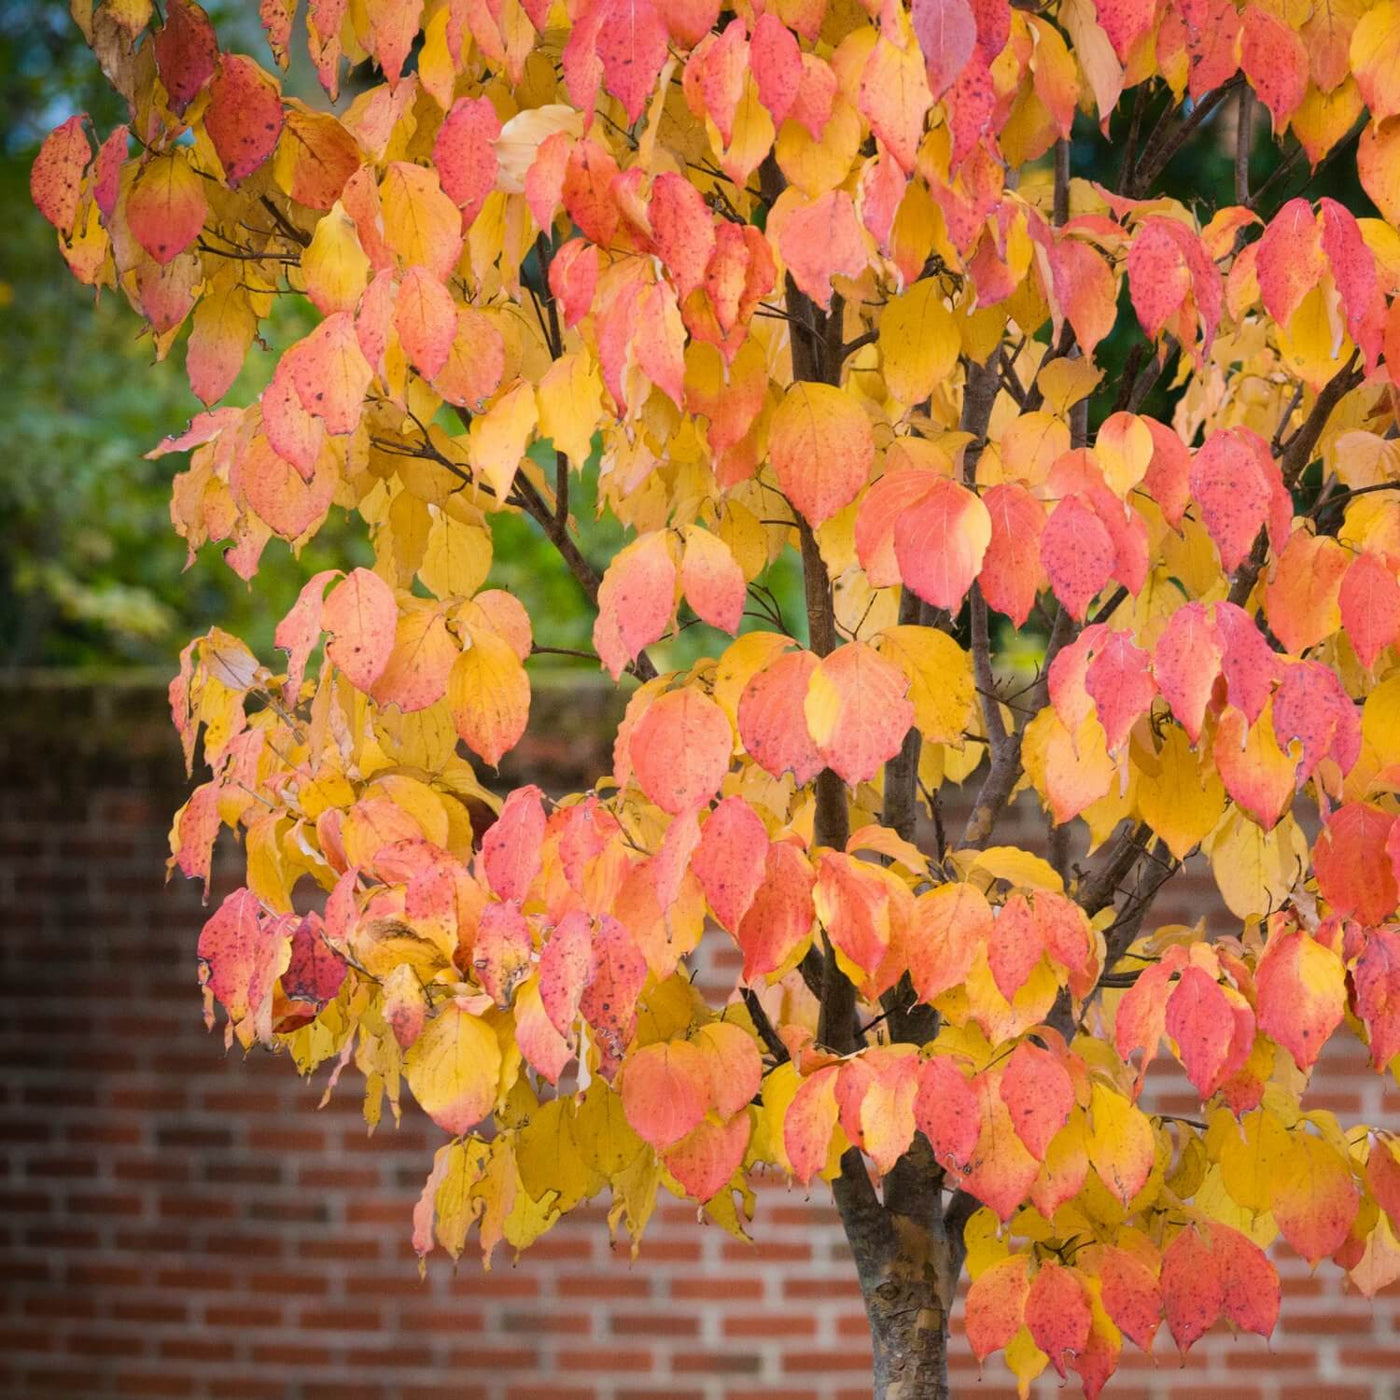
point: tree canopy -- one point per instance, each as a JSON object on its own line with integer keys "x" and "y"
{"x": 816, "y": 287}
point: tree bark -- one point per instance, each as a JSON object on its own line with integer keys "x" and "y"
{"x": 908, "y": 1267}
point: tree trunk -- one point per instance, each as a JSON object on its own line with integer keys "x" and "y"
{"x": 908, "y": 1267}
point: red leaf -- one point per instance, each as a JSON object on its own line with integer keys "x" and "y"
{"x": 945, "y": 1110}
{"x": 707, "y": 1158}
{"x": 1193, "y": 1288}
{"x": 820, "y": 240}
{"x": 1249, "y": 664}
{"x": 1037, "y": 1091}
{"x": 609, "y": 1002}
{"x": 1131, "y": 1295}
{"x": 1352, "y": 864}
{"x": 187, "y": 50}
{"x": 1186, "y": 662}
{"x": 779, "y": 920}
{"x": 1016, "y": 945}
{"x": 1312, "y": 707}
{"x": 241, "y": 955}
{"x": 1011, "y": 573}
{"x": 566, "y": 968}
{"x": 331, "y": 373}
{"x": 1200, "y": 1019}
{"x": 1370, "y": 606}
{"x": 1057, "y": 1313}
{"x": 1078, "y": 553}
{"x": 683, "y": 228}
{"x": 1275, "y": 62}
{"x": 730, "y": 860}
{"x": 315, "y": 970}
{"x": 636, "y": 600}
{"x": 776, "y": 62}
{"x": 1237, "y": 485}
{"x": 510, "y": 849}
{"x": 810, "y": 1122}
{"x": 501, "y": 952}
{"x": 947, "y": 33}
{"x": 1290, "y": 259}
{"x": 632, "y": 46}
{"x": 1168, "y": 476}
{"x": 244, "y": 117}
{"x": 857, "y": 711}
{"x": 1354, "y": 271}
{"x": 712, "y": 581}
{"x": 1122, "y": 687}
{"x": 425, "y": 317}
{"x": 165, "y": 208}
{"x": 1376, "y": 975}
{"x": 464, "y": 152}
{"x": 1300, "y": 994}
{"x": 1248, "y": 1281}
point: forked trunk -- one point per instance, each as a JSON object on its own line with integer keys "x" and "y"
{"x": 908, "y": 1269}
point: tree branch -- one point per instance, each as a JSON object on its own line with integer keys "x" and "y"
{"x": 1293, "y": 462}
{"x": 763, "y": 1025}
{"x": 1163, "y": 150}
{"x": 1244, "y": 142}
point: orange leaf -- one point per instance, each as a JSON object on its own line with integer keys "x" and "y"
{"x": 55, "y": 179}
{"x": 772, "y": 718}
{"x": 665, "y": 1091}
{"x": 941, "y": 542}
{"x": 779, "y": 921}
{"x": 810, "y": 1122}
{"x": 857, "y": 710}
{"x": 361, "y": 616}
{"x": 680, "y": 750}
{"x": 1301, "y": 995}
{"x": 1057, "y": 1313}
{"x": 996, "y": 1305}
{"x": 730, "y": 860}
{"x": 821, "y": 449}
{"x": 954, "y": 921}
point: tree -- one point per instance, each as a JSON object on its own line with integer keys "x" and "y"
{"x": 815, "y": 280}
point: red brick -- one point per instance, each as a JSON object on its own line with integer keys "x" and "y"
{"x": 771, "y": 1325}
{"x": 668, "y": 1324}
{"x": 142, "y": 1384}
{"x": 717, "y": 1363}
{"x": 717, "y": 1289}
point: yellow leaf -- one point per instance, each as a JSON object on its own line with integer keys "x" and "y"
{"x": 334, "y": 266}
{"x": 1120, "y": 1142}
{"x": 453, "y": 1069}
{"x": 1012, "y": 864}
{"x": 490, "y": 695}
{"x": 1179, "y": 801}
{"x": 570, "y": 405}
{"x": 500, "y": 435}
{"x": 1255, "y": 869}
{"x": 1252, "y": 1157}
{"x": 457, "y": 557}
{"x": 918, "y": 342}
{"x": 940, "y": 679}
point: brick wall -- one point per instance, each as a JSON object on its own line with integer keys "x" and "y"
{"x": 177, "y": 1222}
